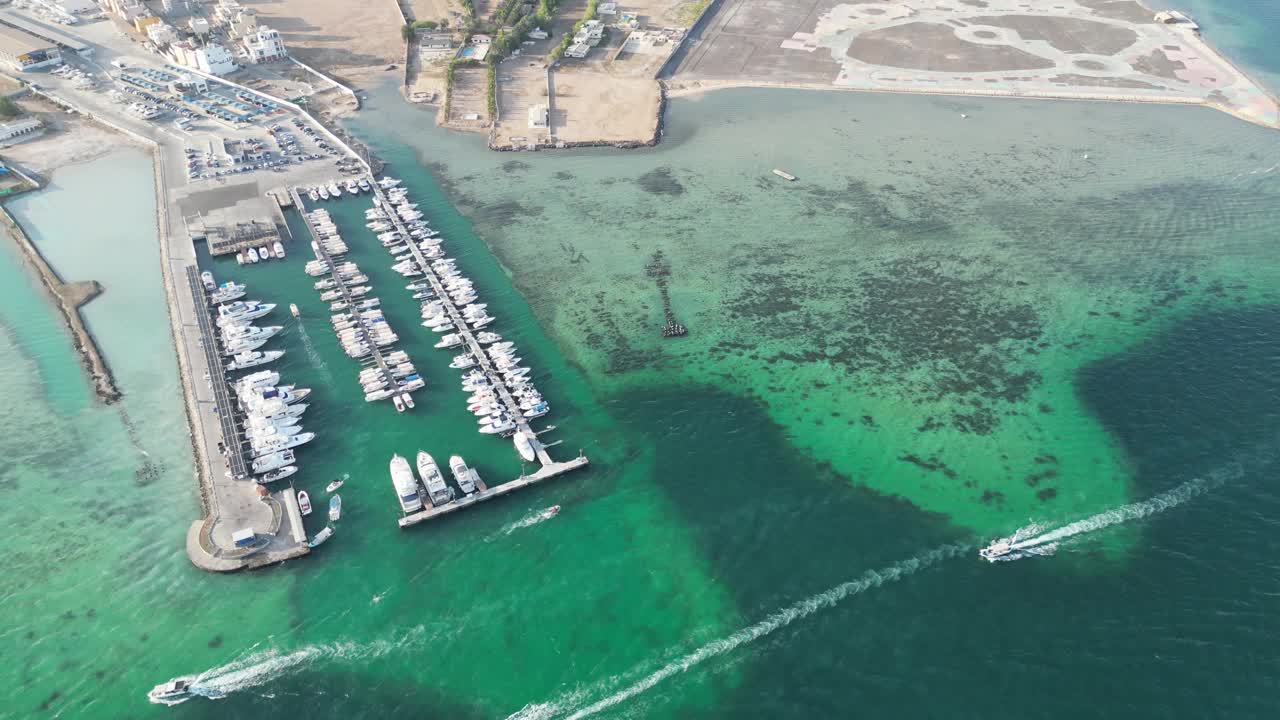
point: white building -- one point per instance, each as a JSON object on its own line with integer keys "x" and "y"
{"x": 199, "y": 26}
{"x": 212, "y": 58}
{"x": 215, "y": 60}
{"x": 265, "y": 45}
{"x": 25, "y": 126}
{"x": 244, "y": 24}
{"x": 161, "y": 34}
{"x": 538, "y": 116}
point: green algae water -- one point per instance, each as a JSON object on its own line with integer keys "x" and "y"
{"x": 944, "y": 330}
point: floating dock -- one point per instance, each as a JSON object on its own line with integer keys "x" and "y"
{"x": 546, "y": 472}
{"x": 549, "y": 467}
{"x": 375, "y": 349}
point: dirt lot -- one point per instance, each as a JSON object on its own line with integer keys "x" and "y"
{"x": 352, "y": 41}
{"x": 469, "y": 109}
{"x": 67, "y": 140}
{"x": 437, "y": 10}
{"x": 595, "y": 106}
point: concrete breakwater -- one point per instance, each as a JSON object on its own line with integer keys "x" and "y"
{"x": 69, "y": 297}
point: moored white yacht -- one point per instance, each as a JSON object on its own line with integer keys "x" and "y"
{"x": 463, "y": 475}
{"x": 437, "y": 490}
{"x": 405, "y": 484}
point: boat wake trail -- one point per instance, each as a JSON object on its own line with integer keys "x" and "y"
{"x": 316, "y": 360}
{"x": 533, "y": 518}
{"x": 257, "y": 668}
{"x": 568, "y": 706}
{"x": 1034, "y": 540}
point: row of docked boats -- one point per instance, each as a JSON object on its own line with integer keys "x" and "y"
{"x": 234, "y": 317}
{"x": 500, "y": 392}
{"x": 272, "y": 425}
{"x": 264, "y": 252}
{"x": 429, "y": 483}
{"x": 358, "y": 320}
{"x": 332, "y": 190}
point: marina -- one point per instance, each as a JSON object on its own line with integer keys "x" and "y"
{"x": 383, "y": 383}
{"x": 419, "y": 499}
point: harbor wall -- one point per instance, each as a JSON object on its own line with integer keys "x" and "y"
{"x": 68, "y": 297}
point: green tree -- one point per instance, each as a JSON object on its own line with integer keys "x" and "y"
{"x": 8, "y": 108}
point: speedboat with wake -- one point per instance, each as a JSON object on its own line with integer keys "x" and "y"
{"x": 1010, "y": 548}
{"x": 173, "y": 692}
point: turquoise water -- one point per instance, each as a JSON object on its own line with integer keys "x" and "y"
{"x": 889, "y": 361}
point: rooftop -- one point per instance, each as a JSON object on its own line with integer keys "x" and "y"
{"x": 16, "y": 42}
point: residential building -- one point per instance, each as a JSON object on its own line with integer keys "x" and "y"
{"x": 162, "y": 34}
{"x": 212, "y": 58}
{"x": 577, "y": 50}
{"x": 199, "y": 27}
{"x": 22, "y": 51}
{"x": 591, "y": 34}
{"x": 244, "y": 24}
{"x": 265, "y": 45}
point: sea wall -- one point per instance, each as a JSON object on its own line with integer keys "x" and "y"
{"x": 68, "y": 297}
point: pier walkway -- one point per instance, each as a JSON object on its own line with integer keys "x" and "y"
{"x": 549, "y": 467}
{"x": 358, "y": 315}
{"x": 231, "y": 498}
{"x": 222, "y": 398}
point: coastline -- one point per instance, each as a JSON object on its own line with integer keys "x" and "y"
{"x": 694, "y": 88}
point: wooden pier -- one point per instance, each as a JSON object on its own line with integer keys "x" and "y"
{"x": 357, "y": 315}
{"x": 549, "y": 467}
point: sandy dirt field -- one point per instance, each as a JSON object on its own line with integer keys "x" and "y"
{"x": 594, "y": 106}
{"x": 353, "y": 41}
{"x": 469, "y": 109}
{"x": 437, "y": 10}
{"x": 67, "y": 140}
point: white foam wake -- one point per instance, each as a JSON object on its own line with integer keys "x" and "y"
{"x": 566, "y": 706}
{"x": 321, "y": 366}
{"x": 257, "y": 668}
{"x": 1023, "y": 540}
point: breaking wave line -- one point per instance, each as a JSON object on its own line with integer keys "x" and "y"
{"x": 867, "y": 581}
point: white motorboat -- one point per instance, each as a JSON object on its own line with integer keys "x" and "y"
{"x": 334, "y": 190}
{"x": 315, "y": 196}
{"x": 278, "y": 474}
{"x": 173, "y": 692}
{"x": 497, "y": 429}
{"x": 364, "y": 184}
{"x": 437, "y": 490}
{"x": 463, "y": 475}
{"x": 206, "y": 277}
{"x": 335, "y": 508}
{"x": 351, "y": 187}
{"x": 272, "y": 461}
{"x": 252, "y": 255}
{"x": 226, "y": 292}
{"x": 321, "y": 536}
{"x": 243, "y": 311}
{"x": 323, "y": 192}
{"x": 278, "y": 249}
{"x": 488, "y": 338}
{"x": 240, "y": 259}
{"x": 405, "y": 484}
{"x": 262, "y": 378}
{"x": 294, "y": 310}
{"x": 524, "y": 446}
{"x": 304, "y": 503}
{"x": 449, "y": 341}
{"x": 245, "y": 360}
